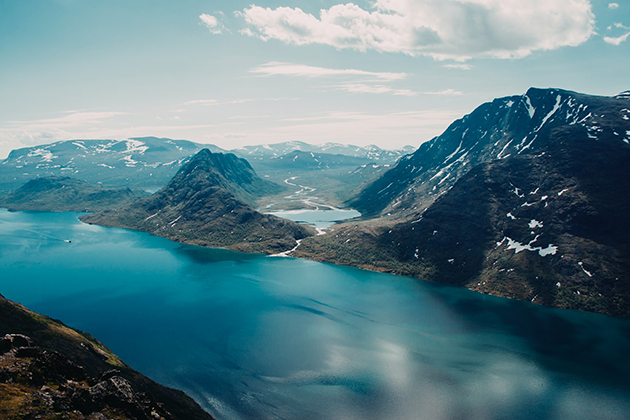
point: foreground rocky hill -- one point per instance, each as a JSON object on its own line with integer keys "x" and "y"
{"x": 206, "y": 204}
{"x": 50, "y": 371}
{"x": 66, "y": 194}
{"x": 549, "y": 223}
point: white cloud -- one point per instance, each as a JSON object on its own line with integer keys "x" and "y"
{"x": 442, "y": 29}
{"x": 613, "y": 6}
{"x": 204, "y": 102}
{"x": 288, "y": 69}
{"x": 364, "y": 88}
{"x": 458, "y": 66}
{"x": 445, "y": 92}
{"x": 212, "y": 23}
{"x": 617, "y": 40}
{"x": 362, "y": 81}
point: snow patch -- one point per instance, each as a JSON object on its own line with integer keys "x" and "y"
{"x": 46, "y": 155}
{"x": 562, "y": 192}
{"x": 456, "y": 150}
{"x": 136, "y": 146}
{"x": 503, "y": 150}
{"x": 533, "y": 224}
{"x": 530, "y": 109}
{"x": 588, "y": 273}
{"x": 550, "y": 114}
{"x": 517, "y": 191}
{"x": 511, "y": 216}
{"x": 518, "y": 247}
{"x": 129, "y": 161}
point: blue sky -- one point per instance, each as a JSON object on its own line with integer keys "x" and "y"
{"x": 231, "y": 73}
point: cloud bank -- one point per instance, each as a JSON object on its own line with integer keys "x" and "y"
{"x": 443, "y": 29}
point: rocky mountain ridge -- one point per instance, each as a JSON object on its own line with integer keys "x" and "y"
{"x": 496, "y": 130}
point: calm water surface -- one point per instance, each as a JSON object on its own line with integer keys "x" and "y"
{"x": 322, "y": 219}
{"x": 255, "y": 337}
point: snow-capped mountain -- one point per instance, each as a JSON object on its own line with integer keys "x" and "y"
{"x": 370, "y": 152}
{"x": 138, "y": 163}
{"x": 505, "y": 127}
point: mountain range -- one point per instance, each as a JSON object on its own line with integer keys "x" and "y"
{"x": 149, "y": 162}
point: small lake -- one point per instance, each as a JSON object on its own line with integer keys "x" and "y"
{"x": 256, "y": 337}
{"x": 321, "y": 219}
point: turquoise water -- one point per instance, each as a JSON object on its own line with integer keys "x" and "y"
{"x": 256, "y": 337}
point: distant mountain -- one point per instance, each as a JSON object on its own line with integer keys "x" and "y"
{"x": 205, "y": 204}
{"x": 550, "y": 224}
{"x": 66, "y": 194}
{"x": 146, "y": 163}
{"x": 496, "y": 130}
{"x": 51, "y": 371}
{"x": 298, "y": 160}
{"x": 370, "y": 152}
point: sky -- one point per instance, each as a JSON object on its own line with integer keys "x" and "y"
{"x": 234, "y": 73}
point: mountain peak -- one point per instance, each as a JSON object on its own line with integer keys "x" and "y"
{"x": 623, "y": 95}
{"x": 223, "y": 170}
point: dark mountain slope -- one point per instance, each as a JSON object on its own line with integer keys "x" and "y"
{"x": 50, "y": 371}
{"x": 65, "y": 194}
{"x": 552, "y": 226}
{"x": 496, "y": 130}
{"x": 221, "y": 170}
{"x": 202, "y": 205}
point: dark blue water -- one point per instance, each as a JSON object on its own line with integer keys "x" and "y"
{"x": 255, "y": 337}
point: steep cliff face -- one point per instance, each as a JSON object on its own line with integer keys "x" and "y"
{"x": 505, "y": 127}
{"x": 205, "y": 204}
{"x": 50, "y": 371}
